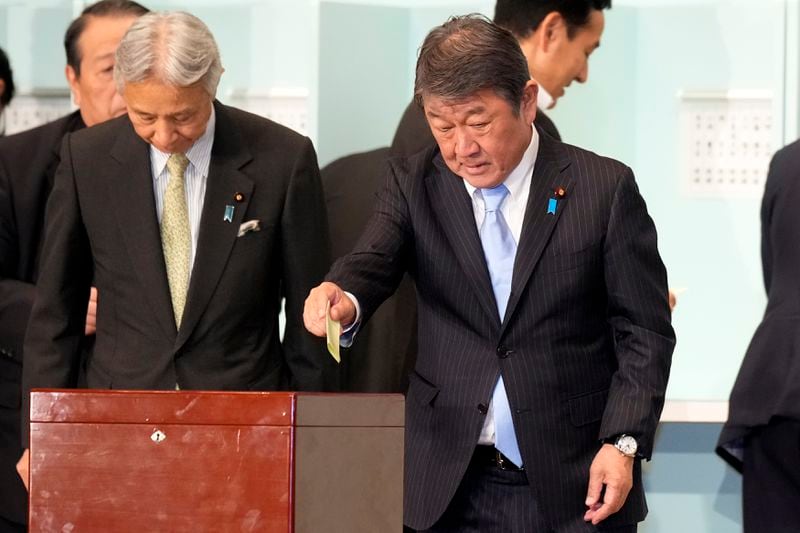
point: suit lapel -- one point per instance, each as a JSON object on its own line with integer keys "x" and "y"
{"x": 135, "y": 208}
{"x": 455, "y": 214}
{"x": 217, "y": 236}
{"x": 548, "y": 175}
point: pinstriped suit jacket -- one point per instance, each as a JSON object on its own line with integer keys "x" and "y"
{"x": 585, "y": 347}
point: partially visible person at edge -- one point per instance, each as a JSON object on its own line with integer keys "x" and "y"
{"x": 761, "y": 438}
{"x": 28, "y": 162}
{"x": 6, "y": 89}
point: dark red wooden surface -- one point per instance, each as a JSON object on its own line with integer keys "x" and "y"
{"x": 225, "y": 462}
{"x": 184, "y": 407}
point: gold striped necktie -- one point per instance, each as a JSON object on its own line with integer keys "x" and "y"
{"x": 176, "y": 237}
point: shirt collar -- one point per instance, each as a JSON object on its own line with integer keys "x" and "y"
{"x": 516, "y": 180}
{"x": 199, "y": 154}
{"x": 544, "y": 99}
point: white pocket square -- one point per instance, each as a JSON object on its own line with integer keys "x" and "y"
{"x": 247, "y": 227}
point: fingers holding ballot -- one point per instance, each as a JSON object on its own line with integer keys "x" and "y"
{"x": 342, "y": 309}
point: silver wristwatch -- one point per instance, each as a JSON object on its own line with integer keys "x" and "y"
{"x": 626, "y": 445}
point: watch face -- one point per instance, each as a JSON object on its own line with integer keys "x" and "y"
{"x": 627, "y": 445}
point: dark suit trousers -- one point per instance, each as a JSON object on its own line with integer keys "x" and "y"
{"x": 492, "y": 500}
{"x": 13, "y": 496}
{"x": 771, "y": 478}
{"x": 7, "y": 526}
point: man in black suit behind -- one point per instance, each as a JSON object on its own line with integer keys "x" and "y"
{"x": 544, "y": 329}
{"x": 387, "y": 347}
{"x": 28, "y": 163}
{"x": 197, "y": 219}
{"x": 761, "y": 438}
{"x": 557, "y": 38}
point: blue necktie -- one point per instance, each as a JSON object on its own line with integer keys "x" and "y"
{"x": 499, "y": 249}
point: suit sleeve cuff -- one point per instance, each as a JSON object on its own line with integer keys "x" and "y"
{"x": 349, "y": 333}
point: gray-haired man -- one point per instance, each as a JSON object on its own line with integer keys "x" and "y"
{"x": 197, "y": 219}
{"x": 544, "y": 330}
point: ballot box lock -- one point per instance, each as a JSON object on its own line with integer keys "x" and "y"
{"x": 158, "y": 436}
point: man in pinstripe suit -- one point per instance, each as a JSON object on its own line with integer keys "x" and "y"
{"x": 568, "y": 345}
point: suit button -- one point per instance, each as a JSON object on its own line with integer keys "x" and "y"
{"x": 503, "y": 352}
{"x": 483, "y": 408}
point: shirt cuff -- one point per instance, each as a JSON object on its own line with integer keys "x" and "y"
{"x": 349, "y": 333}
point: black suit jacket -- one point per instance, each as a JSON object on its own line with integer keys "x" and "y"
{"x": 768, "y": 383}
{"x": 585, "y": 346}
{"x": 414, "y": 135}
{"x": 385, "y": 350}
{"x": 102, "y": 215}
{"x": 28, "y": 163}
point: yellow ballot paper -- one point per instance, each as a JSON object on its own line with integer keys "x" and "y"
{"x": 334, "y": 330}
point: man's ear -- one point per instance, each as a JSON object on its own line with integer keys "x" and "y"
{"x": 553, "y": 29}
{"x": 72, "y": 80}
{"x": 528, "y": 107}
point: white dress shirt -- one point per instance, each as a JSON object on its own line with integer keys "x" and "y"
{"x": 544, "y": 99}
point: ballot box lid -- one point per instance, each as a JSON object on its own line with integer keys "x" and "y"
{"x": 216, "y": 408}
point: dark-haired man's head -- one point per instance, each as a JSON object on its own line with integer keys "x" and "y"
{"x": 556, "y": 36}
{"x": 90, "y": 44}
{"x": 474, "y": 86}
{"x": 6, "y": 80}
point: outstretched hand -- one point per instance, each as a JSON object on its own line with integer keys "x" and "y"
{"x": 343, "y": 309}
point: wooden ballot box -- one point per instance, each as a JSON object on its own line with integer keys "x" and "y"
{"x": 182, "y": 461}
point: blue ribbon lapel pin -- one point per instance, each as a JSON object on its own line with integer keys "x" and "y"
{"x": 552, "y": 203}
{"x": 228, "y": 217}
